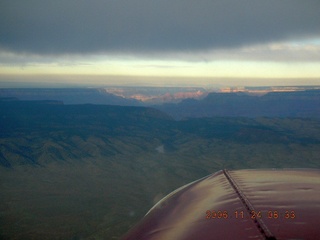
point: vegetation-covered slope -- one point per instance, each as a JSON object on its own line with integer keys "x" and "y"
{"x": 91, "y": 172}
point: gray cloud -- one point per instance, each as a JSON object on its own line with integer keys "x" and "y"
{"x": 142, "y": 26}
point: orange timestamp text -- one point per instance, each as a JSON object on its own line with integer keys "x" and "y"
{"x": 269, "y": 214}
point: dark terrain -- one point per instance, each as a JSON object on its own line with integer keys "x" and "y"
{"x": 92, "y": 171}
{"x": 273, "y": 104}
{"x": 68, "y": 95}
{"x": 301, "y": 103}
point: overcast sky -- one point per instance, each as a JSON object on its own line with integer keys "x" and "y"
{"x": 161, "y": 38}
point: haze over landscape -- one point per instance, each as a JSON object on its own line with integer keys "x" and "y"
{"x": 108, "y": 106}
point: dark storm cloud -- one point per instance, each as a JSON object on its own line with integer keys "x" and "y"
{"x": 81, "y": 26}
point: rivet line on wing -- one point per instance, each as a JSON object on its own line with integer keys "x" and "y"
{"x": 262, "y": 227}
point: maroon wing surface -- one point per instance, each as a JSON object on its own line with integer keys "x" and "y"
{"x": 238, "y": 204}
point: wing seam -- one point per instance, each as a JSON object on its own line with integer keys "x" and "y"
{"x": 262, "y": 227}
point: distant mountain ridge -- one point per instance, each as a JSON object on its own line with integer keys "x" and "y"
{"x": 223, "y": 104}
{"x": 68, "y": 95}
{"x": 273, "y": 104}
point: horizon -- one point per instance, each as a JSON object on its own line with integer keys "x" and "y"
{"x": 129, "y": 81}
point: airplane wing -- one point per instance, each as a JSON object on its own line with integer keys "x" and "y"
{"x": 238, "y": 204}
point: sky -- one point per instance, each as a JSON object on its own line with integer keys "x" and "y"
{"x": 160, "y": 42}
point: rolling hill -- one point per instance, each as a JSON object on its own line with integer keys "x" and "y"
{"x": 92, "y": 171}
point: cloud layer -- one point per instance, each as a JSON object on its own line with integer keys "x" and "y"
{"x": 151, "y": 26}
